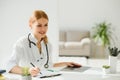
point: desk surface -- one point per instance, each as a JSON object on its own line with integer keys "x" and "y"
{"x": 90, "y": 74}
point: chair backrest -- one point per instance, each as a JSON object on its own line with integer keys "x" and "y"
{"x": 71, "y": 36}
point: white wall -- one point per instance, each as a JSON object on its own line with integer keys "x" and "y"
{"x": 84, "y": 14}
{"x": 14, "y": 16}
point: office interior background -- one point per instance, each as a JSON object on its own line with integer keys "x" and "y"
{"x": 63, "y": 15}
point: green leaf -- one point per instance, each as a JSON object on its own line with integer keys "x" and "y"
{"x": 25, "y": 71}
{"x": 102, "y": 32}
{"x": 106, "y": 66}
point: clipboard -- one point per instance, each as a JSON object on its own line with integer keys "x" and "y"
{"x": 47, "y": 74}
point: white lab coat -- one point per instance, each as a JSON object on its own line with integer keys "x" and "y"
{"x": 23, "y": 55}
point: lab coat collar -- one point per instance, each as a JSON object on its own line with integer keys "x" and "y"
{"x": 32, "y": 38}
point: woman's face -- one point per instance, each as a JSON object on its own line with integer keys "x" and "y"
{"x": 39, "y": 28}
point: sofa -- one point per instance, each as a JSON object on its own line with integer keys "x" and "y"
{"x": 74, "y": 43}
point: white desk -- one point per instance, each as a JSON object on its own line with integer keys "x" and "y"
{"x": 90, "y": 74}
{"x": 94, "y": 73}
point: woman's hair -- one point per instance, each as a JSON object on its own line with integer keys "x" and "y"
{"x": 37, "y": 14}
{"x": 45, "y": 39}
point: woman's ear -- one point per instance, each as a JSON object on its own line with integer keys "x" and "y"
{"x": 30, "y": 24}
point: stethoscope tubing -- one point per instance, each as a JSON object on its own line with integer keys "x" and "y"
{"x": 31, "y": 42}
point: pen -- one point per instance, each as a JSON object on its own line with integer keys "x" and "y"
{"x": 50, "y": 76}
{"x": 34, "y": 66}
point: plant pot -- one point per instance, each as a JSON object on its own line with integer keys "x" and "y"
{"x": 26, "y": 77}
{"x": 2, "y": 77}
{"x": 106, "y": 71}
{"x": 113, "y": 64}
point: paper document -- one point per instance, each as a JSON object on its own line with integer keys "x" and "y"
{"x": 48, "y": 73}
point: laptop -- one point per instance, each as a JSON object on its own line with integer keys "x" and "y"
{"x": 80, "y": 69}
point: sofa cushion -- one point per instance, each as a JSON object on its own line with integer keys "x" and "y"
{"x": 73, "y": 45}
{"x": 85, "y": 41}
{"x": 76, "y": 35}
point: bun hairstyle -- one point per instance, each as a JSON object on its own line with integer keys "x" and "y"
{"x": 37, "y": 14}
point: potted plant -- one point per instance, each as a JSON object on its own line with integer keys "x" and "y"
{"x": 2, "y": 77}
{"x": 102, "y": 33}
{"x": 26, "y": 75}
{"x": 106, "y": 69}
{"x": 102, "y": 36}
{"x": 114, "y": 52}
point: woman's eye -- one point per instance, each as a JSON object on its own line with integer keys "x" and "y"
{"x": 38, "y": 25}
{"x": 43, "y": 25}
{"x": 46, "y": 25}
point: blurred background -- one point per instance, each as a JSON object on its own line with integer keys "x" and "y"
{"x": 63, "y": 15}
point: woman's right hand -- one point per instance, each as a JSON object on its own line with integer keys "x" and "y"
{"x": 34, "y": 71}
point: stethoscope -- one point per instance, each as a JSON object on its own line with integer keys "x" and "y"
{"x": 31, "y": 42}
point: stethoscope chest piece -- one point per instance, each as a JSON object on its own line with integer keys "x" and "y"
{"x": 46, "y": 65}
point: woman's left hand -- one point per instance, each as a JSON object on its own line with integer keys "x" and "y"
{"x": 72, "y": 64}
{"x": 68, "y": 64}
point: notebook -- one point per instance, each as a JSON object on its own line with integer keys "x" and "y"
{"x": 2, "y": 71}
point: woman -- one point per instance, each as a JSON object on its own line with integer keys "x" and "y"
{"x": 33, "y": 50}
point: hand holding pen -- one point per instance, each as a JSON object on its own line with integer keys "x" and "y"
{"x": 34, "y": 66}
{"x": 34, "y": 70}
